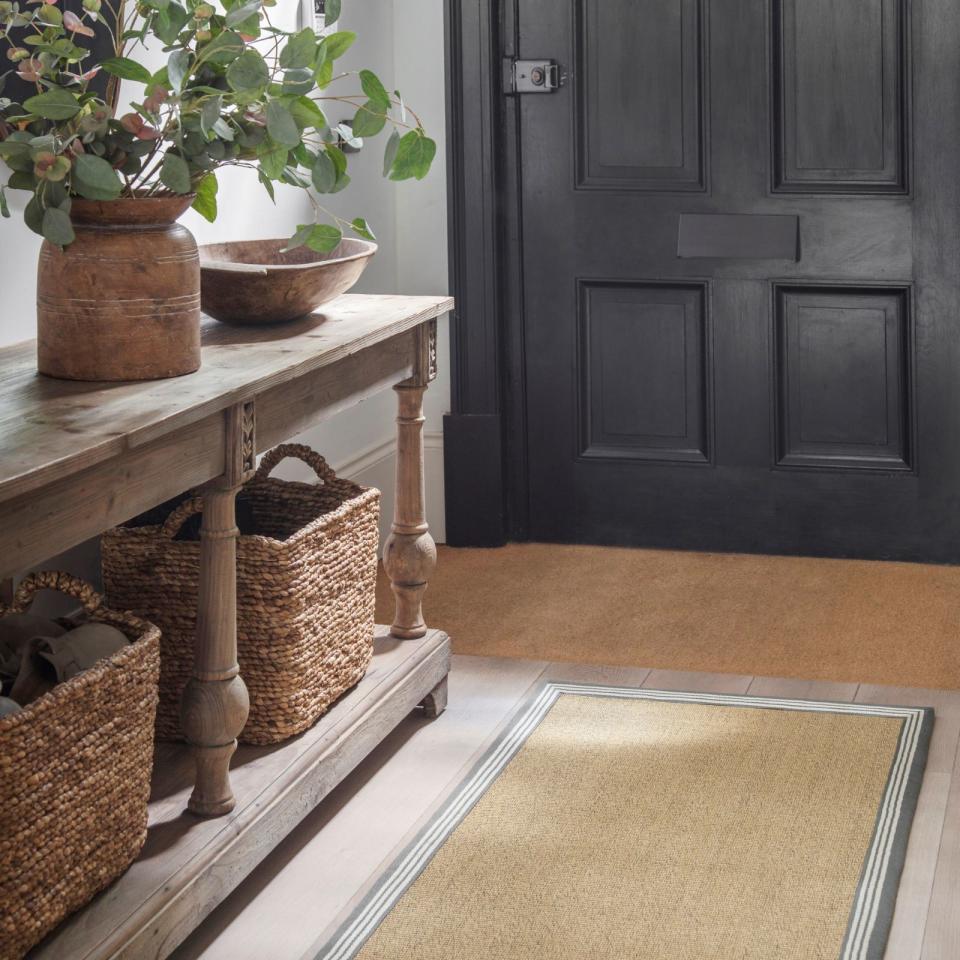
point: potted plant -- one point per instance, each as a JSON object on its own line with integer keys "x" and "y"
{"x": 118, "y": 281}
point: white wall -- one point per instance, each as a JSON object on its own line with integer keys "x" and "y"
{"x": 401, "y": 40}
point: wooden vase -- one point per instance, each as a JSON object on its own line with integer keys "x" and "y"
{"x": 122, "y": 302}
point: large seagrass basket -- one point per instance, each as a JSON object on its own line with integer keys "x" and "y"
{"x": 74, "y": 777}
{"x": 306, "y": 582}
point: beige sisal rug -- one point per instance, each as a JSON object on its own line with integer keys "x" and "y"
{"x": 611, "y": 823}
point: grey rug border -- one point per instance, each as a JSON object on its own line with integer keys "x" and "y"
{"x": 877, "y": 944}
{"x": 881, "y": 930}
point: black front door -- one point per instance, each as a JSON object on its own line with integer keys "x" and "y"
{"x": 742, "y": 275}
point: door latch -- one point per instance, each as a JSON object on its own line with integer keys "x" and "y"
{"x": 535, "y": 76}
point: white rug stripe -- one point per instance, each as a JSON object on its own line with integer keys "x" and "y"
{"x": 865, "y": 911}
{"x": 409, "y": 865}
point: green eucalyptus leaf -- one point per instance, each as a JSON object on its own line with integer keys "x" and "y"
{"x": 299, "y": 238}
{"x": 55, "y": 195}
{"x": 210, "y": 114}
{"x": 298, "y": 82}
{"x": 243, "y": 12}
{"x": 362, "y": 228}
{"x": 368, "y": 120}
{"x": 126, "y": 69}
{"x": 374, "y": 89}
{"x": 321, "y": 237}
{"x": 17, "y": 155}
{"x": 56, "y": 227}
{"x": 292, "y": 176}
{"x": 273, "y": 158}
{"x": 22, "y": 180}
{"x": 248, "y": 73}
{"x": 224, "y": 48}
{"x": 337, "y": 44}
{"x": 324, "y": 173}
{"x": 281, "y": 125}
{"x": 324, "y": 73}
{"x": 178, "y": 68}
{"x": 324, "y": 237}
{"x": 51, "y": 15}
{"x": 175, "y": 173}
{"x": 95, "y": 179}
{"x": 206, "y": 201}
{"x": 267, "y": 185}
{"x": 331, "y": 12}
{"x": 339, "y": 159}
{"x": 303, "y": 156}
{"x": 160, "y": 79}
{"x": 223, "y": 129}
{"x": 390, "y": 152}
{"x": 300, "y": 50}
{"x": 415, "y": 153}
{"x": 53, "y": 104}
{"x": 343, "y": 181}
{"x": 307, "y": 114}
{"x": 169, "y": 22}
{"x": 33, "y": 215}
{"x": 4, "y": 208}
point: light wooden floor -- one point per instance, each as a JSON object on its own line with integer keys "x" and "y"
{"x": 284, "y": 908}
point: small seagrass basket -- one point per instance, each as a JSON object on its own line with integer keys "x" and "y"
{"x": 306, "y": 583}
{"x": 74, "y": 776}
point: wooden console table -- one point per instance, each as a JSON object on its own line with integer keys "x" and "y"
{"x": 77, "y": 458}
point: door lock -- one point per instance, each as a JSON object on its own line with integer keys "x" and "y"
{"x": 536, "y": 76}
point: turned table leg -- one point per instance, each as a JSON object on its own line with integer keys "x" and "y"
{"x": 215, "y": 704}
{"x": 409, "y": 555}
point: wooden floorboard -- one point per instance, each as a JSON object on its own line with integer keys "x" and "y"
{"x": 941, "y": 940}
{"x": 312, "y": 876}
{"x": 288, "y": 905}
{"x": 802, "y": 689}
{"x": 697, "y": 682}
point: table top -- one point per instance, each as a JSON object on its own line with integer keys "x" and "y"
{"x": 52, "y": 428}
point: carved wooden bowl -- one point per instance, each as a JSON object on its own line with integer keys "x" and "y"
{"x": 252, "y": 281}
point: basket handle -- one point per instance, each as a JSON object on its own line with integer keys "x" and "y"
{"x": 80, "y": 590}
{"x": 300, "y": 451}
{"x": 55, "y": 580}
{"x": 179, "y": 516}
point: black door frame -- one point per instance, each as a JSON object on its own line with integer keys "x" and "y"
{"x": 485, "y": 440}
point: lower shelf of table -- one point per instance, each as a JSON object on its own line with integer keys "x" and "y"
{"x": 189, "y": 865}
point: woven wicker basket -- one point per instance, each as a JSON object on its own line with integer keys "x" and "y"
{"x": 74, "y": 777}
{"x": 306, "y": 583}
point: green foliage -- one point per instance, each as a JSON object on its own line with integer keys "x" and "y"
{"x": 206, "y": 201}
{"x": 415, "y": 153}
{"x": 95, "y": 179}
{"x": 175, "y": 173}
{"x": 234, "y": 91}
{"x": 126, "y": 69}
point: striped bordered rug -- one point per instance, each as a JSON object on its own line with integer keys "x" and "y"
{"x": 608, "y": 822}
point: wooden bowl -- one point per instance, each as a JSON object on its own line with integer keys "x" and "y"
{"x": 252, "y": 281}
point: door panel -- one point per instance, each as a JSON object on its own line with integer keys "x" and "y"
{"x": 741, "y": 262}
{"x": 840, "y": 71}
{"x": 844, "y": 376}
{"x": 658, "y": 142}
{"x": 643, "y": 371}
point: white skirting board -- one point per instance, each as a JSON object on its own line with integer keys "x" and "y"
{"x": 375, "y": 465}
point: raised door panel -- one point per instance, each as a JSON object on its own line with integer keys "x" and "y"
{"x": 640, "y": 73}
{"x": 844, "y": 382}
{"x": 840, "y": 82}
{"x": 643, "y": 372}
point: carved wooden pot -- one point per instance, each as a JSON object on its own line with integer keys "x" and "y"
{"x": 122, "y": 302}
